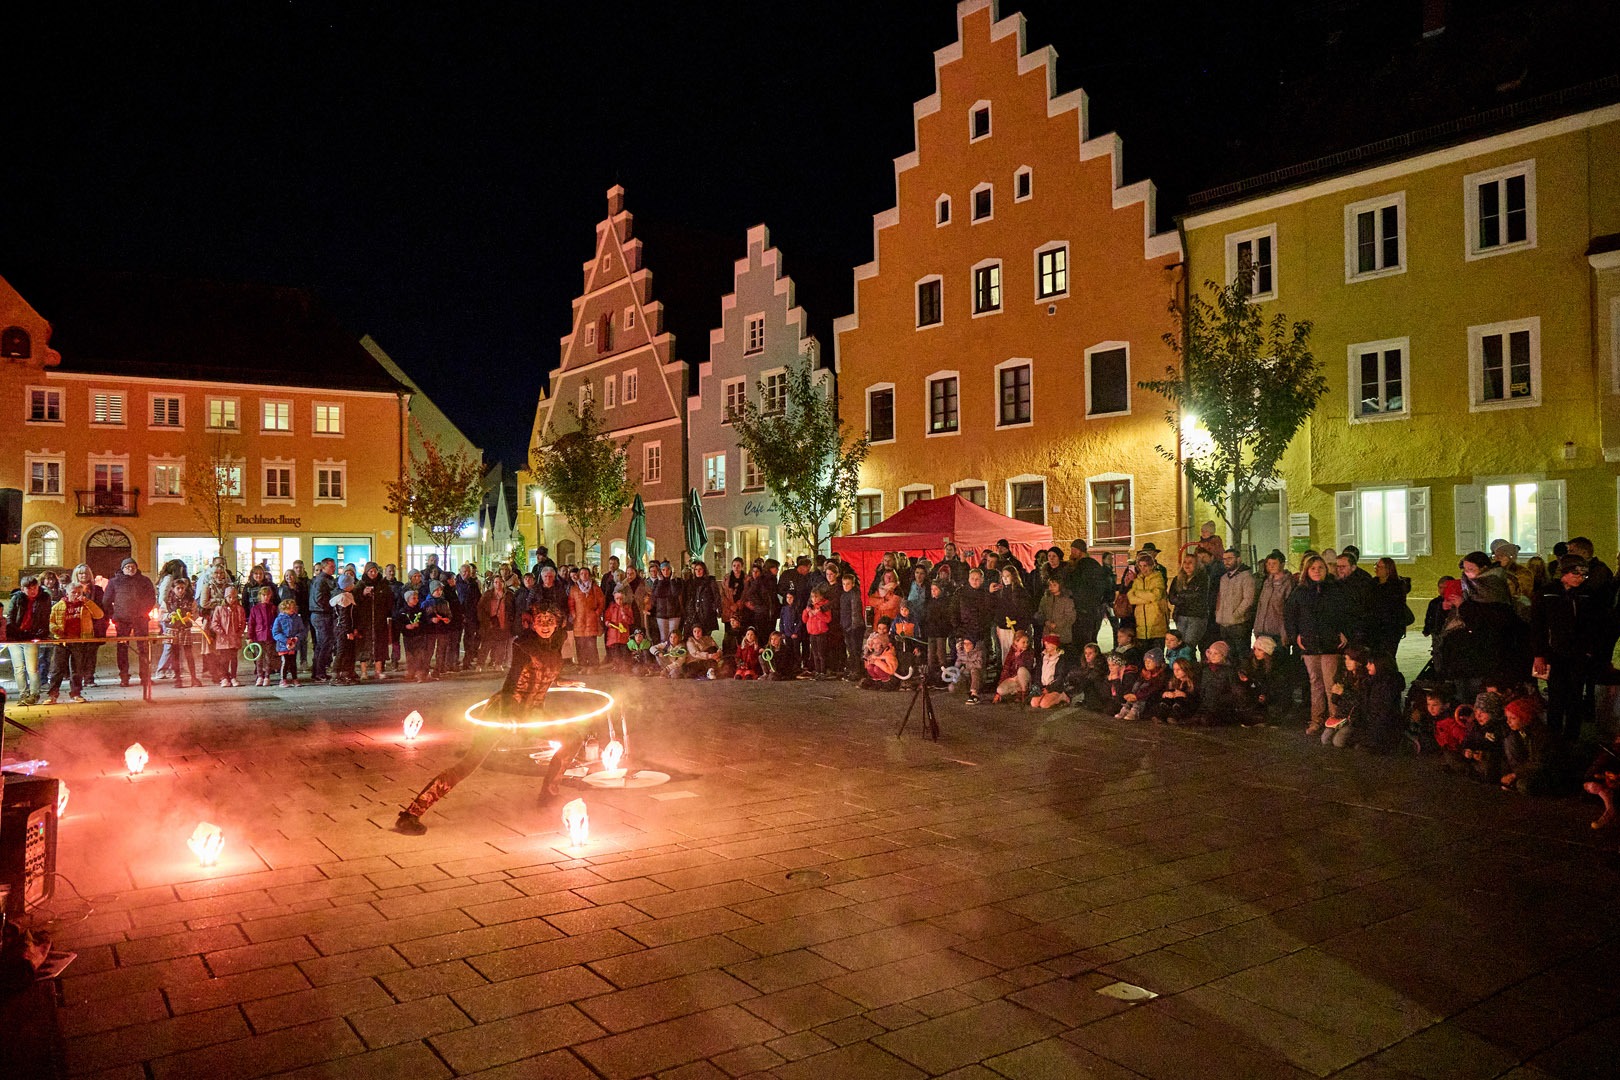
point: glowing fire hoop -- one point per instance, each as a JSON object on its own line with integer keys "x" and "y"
{"x": 474, "y": 713}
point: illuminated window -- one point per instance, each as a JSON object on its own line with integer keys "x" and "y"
{"x": 329, "y": 419}
{"x": 278, "y": 415}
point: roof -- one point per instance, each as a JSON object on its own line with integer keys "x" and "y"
{"x": 153, "y": 326}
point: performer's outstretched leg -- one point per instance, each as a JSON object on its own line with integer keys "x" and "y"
{"x": 484, "y": 742}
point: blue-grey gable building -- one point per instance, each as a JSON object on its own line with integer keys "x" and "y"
{"x": 762, "y": 334}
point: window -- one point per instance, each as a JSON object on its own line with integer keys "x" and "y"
{"x": 228, "y": 475}
{"x": 1378, "y": 380}
{"x": 44, "y": 405}
{"x": 1505, "y": 364}
{"x": 1028, "y": 498}
{"x": 107, "y": 476}
{"x": 754, "y": 334}
{"x": 1255, "y": 253}
{"x": 1014, "y": 400}
{"x": 166, "y": 479}
{"x": 610, "y": 391}
{"x": 1052, "y": 271}
{"x": 44, "y": 546}
{"x": 868, "y": 511}
{"x": 734, "y": 394}
{"x": 44, "y": 475}
{"x": 909, "y": 495}
{"x": 1023, "y": 184}
{"x": 1524, "y": 511}
{"x": 630, "y": 318}
{"x": 1384, "y": 522}
{"x": 604, "y": 332}
{"x": 979, "y": 121}
{"x": 632, "y": 387}
{"x": 714, "y": 474}
{"x": 973, "y": 491}
{"x": 652, "y": 463}
{"x": 1510, "y": 512}
{"x": 986, "y": 288}
{"x": 107, "y": 407}
{"x": 166, "y": 410}
{"x": 942, "y": 210}
{"x": 983, "y": 203}
{"x": 880, "y": 413}
{"x": 587, "y": 395}
{"x": 278, "y": 482}
{"x": 331, "y": 481}
{"x": 15, "y": 344}
{"x": 1111, "y": 511}
{"x": 776, "y": 393}
{"x": 222, "y": 414}
{"x": 753, "y": 478}
{"x": 1375, "y": 237}
{"x": 1501, "y": 209}
{"x": 942, "y": 405}
{"x": 590, "y": 333}
{"x": 328, "y": 419}
{"x": 1108, "y": 379}
{"x": 278, "y": 415}
{"x": 930, "y": 301}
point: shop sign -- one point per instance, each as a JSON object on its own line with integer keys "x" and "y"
{"x": 266, "y": 519}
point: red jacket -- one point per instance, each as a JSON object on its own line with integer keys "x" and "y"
{"x": 586, "y": 610}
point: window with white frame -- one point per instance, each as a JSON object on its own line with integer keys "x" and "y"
{"x": 167, "y": 478}
{"x": 107, "y": 407}
{"x": 610, "y": 392}
{"x": 979, "y": 121}
{"x": 1108, "y": 379}
{"x": 753, "y": 477}
{"x": 917, "y": 493}
{"x": 222, "y": 414}
{"x": 166, "y": 411}
{"x": 987, "y": 288}
{"x": 44, "y": 405}
{"x": 44, "y": 546}
{"x": 227, "y": 477}
{"x": 868, "y": 510}
{"x": 630, "y": 318}
{"x": 1500, "y": 209}
{"x": 1378, "y": 380}
{"x": 733, "y": 397}
{"x": 1052, "y": 271}
{"x": 652, "y": 462}
{"x": 1254, "y": 252}
{"x": 328, "y": 419}
{"x": 1375, "y": 237}
{"x": 754, "y": 334}
{"x": 45, "y": 474}
{"x": 331, "y": 481}
{"x": 943, "y": 403}
{"x": 930, "y": 301}
{"x": 976, "y": 492}
{"x": 942, "y": 210}
{"x": 880, "y": 413}
{"x": 1504, "y": 364}
{"x": 109, "y": 474}
{"x": 775, "y": 394}
{"x": 984, "y": 203}
{"x": 1023, "y": 184}
{"x": 278, "y": 482}
{"x": 1027, "y": 498}
{"x": 1014, "y": 394}
{"x": 1384, "y": 522}
{"x": 1521, "y": 510}
{"x": 714, "y": 474}
{"x": 1112, "y": 517}
{"x": 277, "y": 415}
{"x": 590, "y": 333}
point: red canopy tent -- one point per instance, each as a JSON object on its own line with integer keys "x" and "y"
{"x": 922, "y": 528}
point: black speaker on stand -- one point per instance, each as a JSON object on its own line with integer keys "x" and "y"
{"x": 10, "y": 521}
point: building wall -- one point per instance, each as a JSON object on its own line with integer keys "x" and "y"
{"x": 1121, "y": 280}
{"x": 1448, "y": 442}
{"x": 741, "y": 518}
{"x": 617, "y": 296}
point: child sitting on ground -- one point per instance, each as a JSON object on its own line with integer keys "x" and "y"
{"x": 1532, "y": 758}
{"x": 1052, "y": 675}
{"x": 878, "y": 658}
{"x": 1125, "y": 642}
{"x": 1179, "y": 702}
{"x": 1258, "y": 699}
{"x": 747, "y": 659}
{"x": 1603, "y": 779}
{"x": 639, "y": 649}
{"x": 1144, "y": 693}
{"x": 969, "y": 667}
{"x": 702, "y": 656}
{"x": 1016, "y": 673}
{"x": 1480, "y": 754}
{"x": 1176, "y": 649}
{"x": 777, "y": 659}
{"x": 1222, "y": 700}
{"x": 1122, "y": 676}
{"x": 1088, "y": 679}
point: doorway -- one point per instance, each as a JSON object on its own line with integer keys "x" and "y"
{"x": 105, "y": 551}
{"x": 1267, "y": 530}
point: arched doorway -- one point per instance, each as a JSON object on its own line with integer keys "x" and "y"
{"x": 105, "y": 551}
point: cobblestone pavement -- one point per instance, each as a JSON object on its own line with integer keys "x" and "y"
{"x": 812, "y": 897}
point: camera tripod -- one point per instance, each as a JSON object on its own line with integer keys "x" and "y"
{"x": 929, "y": 720}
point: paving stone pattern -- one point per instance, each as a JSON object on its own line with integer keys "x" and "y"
{"x": 831, "y": 902}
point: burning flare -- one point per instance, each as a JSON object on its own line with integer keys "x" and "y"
{"x": 206, "y": 842}
{"x": 611, "y": 755}
{"x": 413, "y": 725}
{"x": 61, "y": 799}
{"x": 577, "y": 822}
{"x": 135, "y": 758}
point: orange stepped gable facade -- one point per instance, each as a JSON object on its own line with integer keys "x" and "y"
{"x": 619, "y": 356}
{"x": 1018, "y": 292}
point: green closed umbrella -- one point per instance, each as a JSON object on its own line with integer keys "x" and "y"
{"x": 636, "y": 542}
{"x": 697, "y": 533}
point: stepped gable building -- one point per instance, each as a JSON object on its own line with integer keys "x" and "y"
{"x": 762, "y": 334}
{"x": 1018, "y": 292}
{"x": 619, "y": 358}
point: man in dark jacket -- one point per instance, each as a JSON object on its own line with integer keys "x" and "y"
{"x": 702, "y": 599}
{"x": 668, "y": 604}
{"x": 1568, "y": 626}
{"x": 851, "y": 605}
{"x": 28, "y": 620}
{"x": 467, "y": 594}
{"x": 1091, "y": 585}
{"x": 1354, "y": 596}
{"x": 322, "y": 587}
{"x": 972, "y": 606}
{"x": 128, "y": 601}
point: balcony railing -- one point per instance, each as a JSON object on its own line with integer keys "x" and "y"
{"x": 97, "y": 503}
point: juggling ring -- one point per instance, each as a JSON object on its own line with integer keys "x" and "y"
{"x": 251, "y": 650}
{"x": 519, "y": 725}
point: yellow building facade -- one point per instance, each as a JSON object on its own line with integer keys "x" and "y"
{"x": 1465, "y": 301}
{"x": 1018, "y": 293}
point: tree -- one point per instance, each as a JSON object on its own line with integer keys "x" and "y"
{"x": 1249, "y": 383}
{"x": 440, "y": 492}
{"x": 811, "y": 468}
{"x": 518, "y": 551}
{"x": 584, "y": 473}
{"x": 214, "y": 485}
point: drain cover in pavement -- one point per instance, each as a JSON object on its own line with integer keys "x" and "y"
{"x": 1125, "y": 991}
{"x": 807, "y": 876}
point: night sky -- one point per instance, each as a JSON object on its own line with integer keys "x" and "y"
{"x": 434, "y": 172}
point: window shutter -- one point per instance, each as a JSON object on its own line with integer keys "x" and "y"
{"x": 1550, "y": 527}
{"x": 1465, "y": 517}
{"x": 1417, "y": 521}
{"x": 1344, "y": 514}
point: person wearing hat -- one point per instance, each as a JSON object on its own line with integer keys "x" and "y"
{"x": 1568, "y": 627}
{"x": 1521, "y": 580}
{"x": 1050, "y": 674}
{"x": 129, "y": 599}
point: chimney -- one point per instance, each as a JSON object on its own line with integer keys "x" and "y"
{"x": 1434, "y": 18}
{"x": 615, "y": 197}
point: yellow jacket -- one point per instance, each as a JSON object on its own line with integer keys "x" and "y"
{"x": 1146, "y": 595}
{"x": 87, "y": 616}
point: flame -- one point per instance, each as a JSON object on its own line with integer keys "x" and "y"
{"x": 61, "y": 799}
{"x": 611, "y": 755}
{"x": 577, "y": 822}
{"x": 413, "y": 724}
{"x": 153, "y": 614}
{"x": 206, "y": 842}
{"x": 135, "y": 758}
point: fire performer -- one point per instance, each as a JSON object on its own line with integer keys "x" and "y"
{"x": 536, "y": 663}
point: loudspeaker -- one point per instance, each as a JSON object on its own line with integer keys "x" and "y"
{"x": 28, "y": 841}
{"x": 10, "y": 515}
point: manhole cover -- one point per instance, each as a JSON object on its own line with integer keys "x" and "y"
{"x": 807, "y": 876}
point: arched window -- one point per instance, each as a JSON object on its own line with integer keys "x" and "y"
{"x": 44, "y": 546}
{"x": 14, "y": 344}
